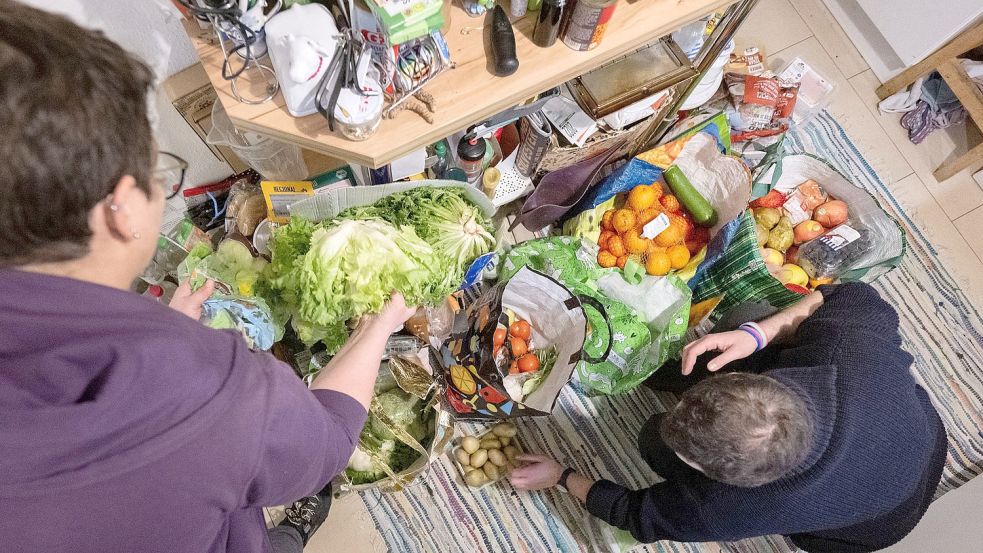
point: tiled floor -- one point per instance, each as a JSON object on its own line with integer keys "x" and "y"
{"x": 949, "y": 213}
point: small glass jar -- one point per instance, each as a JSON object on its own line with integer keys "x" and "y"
{"x": 358, "y": 115}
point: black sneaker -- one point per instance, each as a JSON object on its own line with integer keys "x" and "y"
{"x": 307, "y": 514}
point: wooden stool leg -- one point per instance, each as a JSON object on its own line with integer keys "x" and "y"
{"x": 966, "y": 41}
{"x": 953, "y": 165}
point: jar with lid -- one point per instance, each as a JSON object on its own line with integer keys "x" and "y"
{"x": 471, "y": 151}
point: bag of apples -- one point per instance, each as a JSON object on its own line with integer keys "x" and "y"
{"x": 813, "y": 227}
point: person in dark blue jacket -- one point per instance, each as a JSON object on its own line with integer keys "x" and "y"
{"x": 824, "y": 436}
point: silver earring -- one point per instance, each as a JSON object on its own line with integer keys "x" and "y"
{"x": 136, "y": 235}
{"x": 113, "y": 207}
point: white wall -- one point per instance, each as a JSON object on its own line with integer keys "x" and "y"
{"x": 151, "y": 29}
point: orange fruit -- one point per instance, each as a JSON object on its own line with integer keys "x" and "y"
{"x": 694, "y": 246}
{"x": 678, "y": 256}
{"x": 616, "y": 246}
{"x": 657, "y": 188}
{"x": 641, "y": 197}
{"x": 635, "y": 243}
{"x": 606, "y": 259}
{"x": 606, "y": 235}
{"x": 673, "y": 235}
{"x": 670, "y": 203}
{"x": 698, "y": 234}
{"x": 658, "y": 264}
{"x": 621, "y": 261}
{"x": 623, "y": 220}
{"x": 654, "y": 248}
{"x": 606, "y": 220}
{"x": 648, "y": 214}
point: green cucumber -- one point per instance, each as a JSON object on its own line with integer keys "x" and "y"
{"x": 694, "y": 202}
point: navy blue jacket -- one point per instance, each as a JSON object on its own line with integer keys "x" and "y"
{"x": 877, "y": 457}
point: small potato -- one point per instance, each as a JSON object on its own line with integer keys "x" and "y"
{"x": 505, "y": 429}
{"x": 510, "y": 453}
{"x": 504, "y": 440}
{"x": 462, "y": 457}
{"x": 490, "y": 443}
{"x": 497, "y": 458}
{"x": 478, "y": 458}
{"x": 470, "y": 444}
{"x": 475, "y": 478}
{"x": 491, "y": 471}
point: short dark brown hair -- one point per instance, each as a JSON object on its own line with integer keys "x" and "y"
{"x": 741, "y": 429}
{"x": 73, "y": 122}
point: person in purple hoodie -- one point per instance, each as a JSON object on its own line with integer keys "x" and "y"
{"x": 125, "y": 424}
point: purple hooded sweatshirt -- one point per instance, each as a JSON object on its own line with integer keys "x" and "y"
{"x": 127, "y": 426}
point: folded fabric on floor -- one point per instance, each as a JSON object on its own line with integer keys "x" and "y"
{"x": 904, "y": 101}
{"x": 597, "y": 436}
{"x": 937, "y": 108}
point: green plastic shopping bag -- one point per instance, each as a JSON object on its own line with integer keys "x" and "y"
{"x": 622, "y": 349}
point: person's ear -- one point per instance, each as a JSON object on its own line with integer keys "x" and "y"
{"x": 119, "y": 215}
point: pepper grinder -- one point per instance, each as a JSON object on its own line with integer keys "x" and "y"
{"x": 549, "y": 22}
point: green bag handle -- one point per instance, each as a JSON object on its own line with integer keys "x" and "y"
{"x": 773, "y": 158}
{"x": 586, "y": 300}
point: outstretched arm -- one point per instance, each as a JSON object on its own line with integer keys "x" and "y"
{"x": 354, "y": 369}
{"x": 738, "y": 344}
{"x": 656, "y": 513}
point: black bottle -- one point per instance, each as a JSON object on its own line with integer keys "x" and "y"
{"x": 548, "y": 25}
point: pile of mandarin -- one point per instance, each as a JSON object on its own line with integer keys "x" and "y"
{"x": 621, "y": 233}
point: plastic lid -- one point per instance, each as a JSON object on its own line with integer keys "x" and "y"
{"x": 357, "y": 108}
{"x": 155, "y": 290}
{"x": 163, "y": 243}
{"x": 471, "y": 149}
{"x": 440, "y": 148}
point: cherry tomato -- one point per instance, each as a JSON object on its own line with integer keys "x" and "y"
{"x": 528, "y": 363}
{"x": 519, "y": 347}
{"x": 499, "y": 338}
{"x": 521, "y": 329}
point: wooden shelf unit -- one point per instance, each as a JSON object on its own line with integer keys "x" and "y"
{"x": 464, "y": 95}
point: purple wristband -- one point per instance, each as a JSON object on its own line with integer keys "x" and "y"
{"x": 754, "y": 334}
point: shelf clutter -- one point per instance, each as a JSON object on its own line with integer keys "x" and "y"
{"x": 462, "y": 96}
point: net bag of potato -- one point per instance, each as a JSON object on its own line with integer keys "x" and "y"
{"x": 634, "y": 326}
{"x": 810, "y": 226}
{"x": 511, "y": 350}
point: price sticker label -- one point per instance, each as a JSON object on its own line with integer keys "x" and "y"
{"x": 655, "y": 227}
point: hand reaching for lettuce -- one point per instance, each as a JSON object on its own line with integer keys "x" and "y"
{"x": 393, "y": 314}
{"x": 188, "y": 302}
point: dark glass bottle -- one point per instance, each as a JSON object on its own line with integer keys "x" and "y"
{"x": 549, "y": 22}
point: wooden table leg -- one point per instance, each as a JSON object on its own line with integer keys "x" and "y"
{"x": 966, "y": 41}
{"x": 953, "y": 165}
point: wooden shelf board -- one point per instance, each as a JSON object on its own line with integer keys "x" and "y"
{"x": 464, "y": 95}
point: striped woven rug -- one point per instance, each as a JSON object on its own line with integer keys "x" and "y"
{"x": 597, "y": 435}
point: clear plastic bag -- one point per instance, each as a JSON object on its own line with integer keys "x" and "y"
{"x": 886, "y": 242}
{"x": 273, "y": 159}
